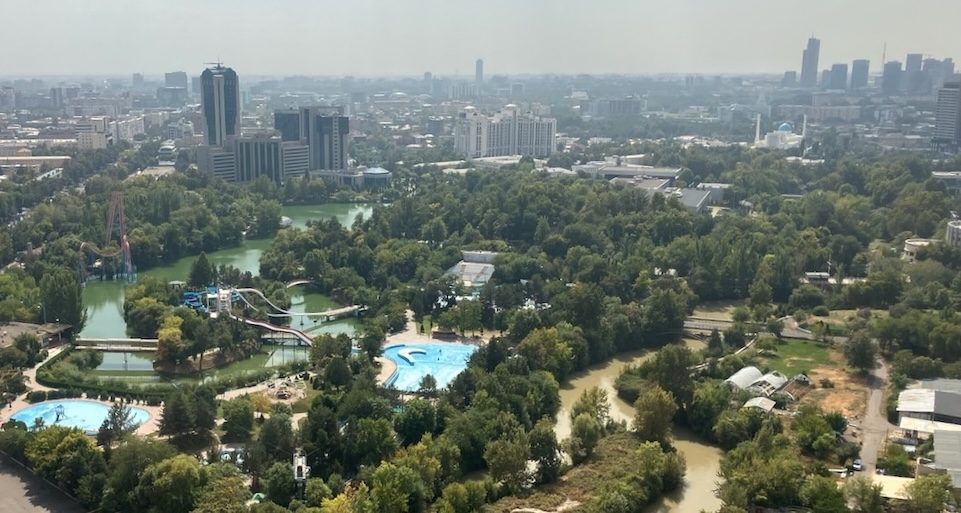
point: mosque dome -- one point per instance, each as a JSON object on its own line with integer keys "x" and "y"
{"x": 785, "y": 127}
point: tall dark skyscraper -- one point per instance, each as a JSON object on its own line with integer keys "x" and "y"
{"x": 838, "y": 77}
{"x": 809, "y": 63}
{"x": 220, "y": 98}
{"x": 913, "y": 62}
{"x": 326, "y": 130}
{"x": 947, "y": 125}
{"x": 175, "y": 79}
{"x": 287, "y": 122}
{"x": 891, "y": 78}
{"x": 860, "y": 70}
{"x": 479, "y": 72}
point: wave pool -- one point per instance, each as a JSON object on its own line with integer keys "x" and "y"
{"x": 78, "y": 413}
{"x": 442, "y": 360}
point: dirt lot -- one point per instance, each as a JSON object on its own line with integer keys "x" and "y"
{"x": 849, "y": 394}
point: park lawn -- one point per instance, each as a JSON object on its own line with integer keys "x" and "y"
{"x": 717, "y": 310}
{"x": 795, "y": 356}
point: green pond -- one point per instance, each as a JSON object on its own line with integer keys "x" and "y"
{"x": 137, "y": 367}
{"x": 104, "y": 299}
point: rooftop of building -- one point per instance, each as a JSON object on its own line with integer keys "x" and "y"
{"x": 946, "y": 174}
{"x": 947, "y": 454}
{"x": 376, "y": 171}
{"x": 921, "y": 400}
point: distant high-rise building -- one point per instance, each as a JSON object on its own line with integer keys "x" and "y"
{"x": 287, "y": 122}
{"x": 172, "y": 96}
{"x": 947, "y": 66}
{"x": 509, "y": 132}
{"x": 479, "y": 72}
{"x": 195, "y": 85}
{"x": 790, "y": 79}
{"x": 947, "y": 126}
{"x": 891, "y": 78}
{"x": 428, "y": 76}
{"x": 137, "y": 80}
{"x": 809, "y": 63}
{"x": 603, "y": 108}
{"x": 913, "y": 62}
{"x": 326, "y": 131}
{"x": 825, "y": 78}
{"x": 860, "y": 70}
{"x": 220, "y": 98}
{"x": 176, "y": 79}
{"x": 933, "y": 71}
{"x": 839, "y": 77}
{"x": 270, "y": 157}
{"x": 912, "y": 79}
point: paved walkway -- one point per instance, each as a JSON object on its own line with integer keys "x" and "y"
{"x": 30, "y": 375}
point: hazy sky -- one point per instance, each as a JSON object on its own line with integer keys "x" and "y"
{"x": 405, "y": 37}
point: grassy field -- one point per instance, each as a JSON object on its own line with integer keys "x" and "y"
{"x": 717, "y": 310}
{"x": 799, "y": 357}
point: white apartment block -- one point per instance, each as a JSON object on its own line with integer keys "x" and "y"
{"x": 509, "y": 132}
{"x": 127, "y": 129}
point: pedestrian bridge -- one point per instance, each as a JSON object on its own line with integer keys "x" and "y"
{"x": 117, "y": 344}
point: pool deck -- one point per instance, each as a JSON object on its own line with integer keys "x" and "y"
{"x": 387, "y": 368}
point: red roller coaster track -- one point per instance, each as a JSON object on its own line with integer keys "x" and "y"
{"x": 116, "y": 218}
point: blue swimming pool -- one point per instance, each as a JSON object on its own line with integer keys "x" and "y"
{"x": 443, "y": 361}
{"x": 79, "y": 413}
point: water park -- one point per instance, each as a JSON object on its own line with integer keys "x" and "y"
{"x": 126, "y": 367}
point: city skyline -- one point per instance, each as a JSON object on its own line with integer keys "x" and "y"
{"x": 688, "y": 36}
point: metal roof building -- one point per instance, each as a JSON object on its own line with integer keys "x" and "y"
{"x": 769, "y": 383}
{"x": 762, "y": 403}
{"x": 930, "y": 404}
{"x": 947, "y": 454}
{"x": 943, "y": 384}
{"x": 744, "y": 377}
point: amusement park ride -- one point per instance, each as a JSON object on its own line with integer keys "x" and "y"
{"x": 109, "y": 261}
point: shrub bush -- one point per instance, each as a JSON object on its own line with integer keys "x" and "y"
{"x": 821, "y": 311}
{"x": 36, "y": 396}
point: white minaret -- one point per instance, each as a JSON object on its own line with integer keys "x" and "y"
{"x": 757, "y": 130}
{"x": 804, "y": 126}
